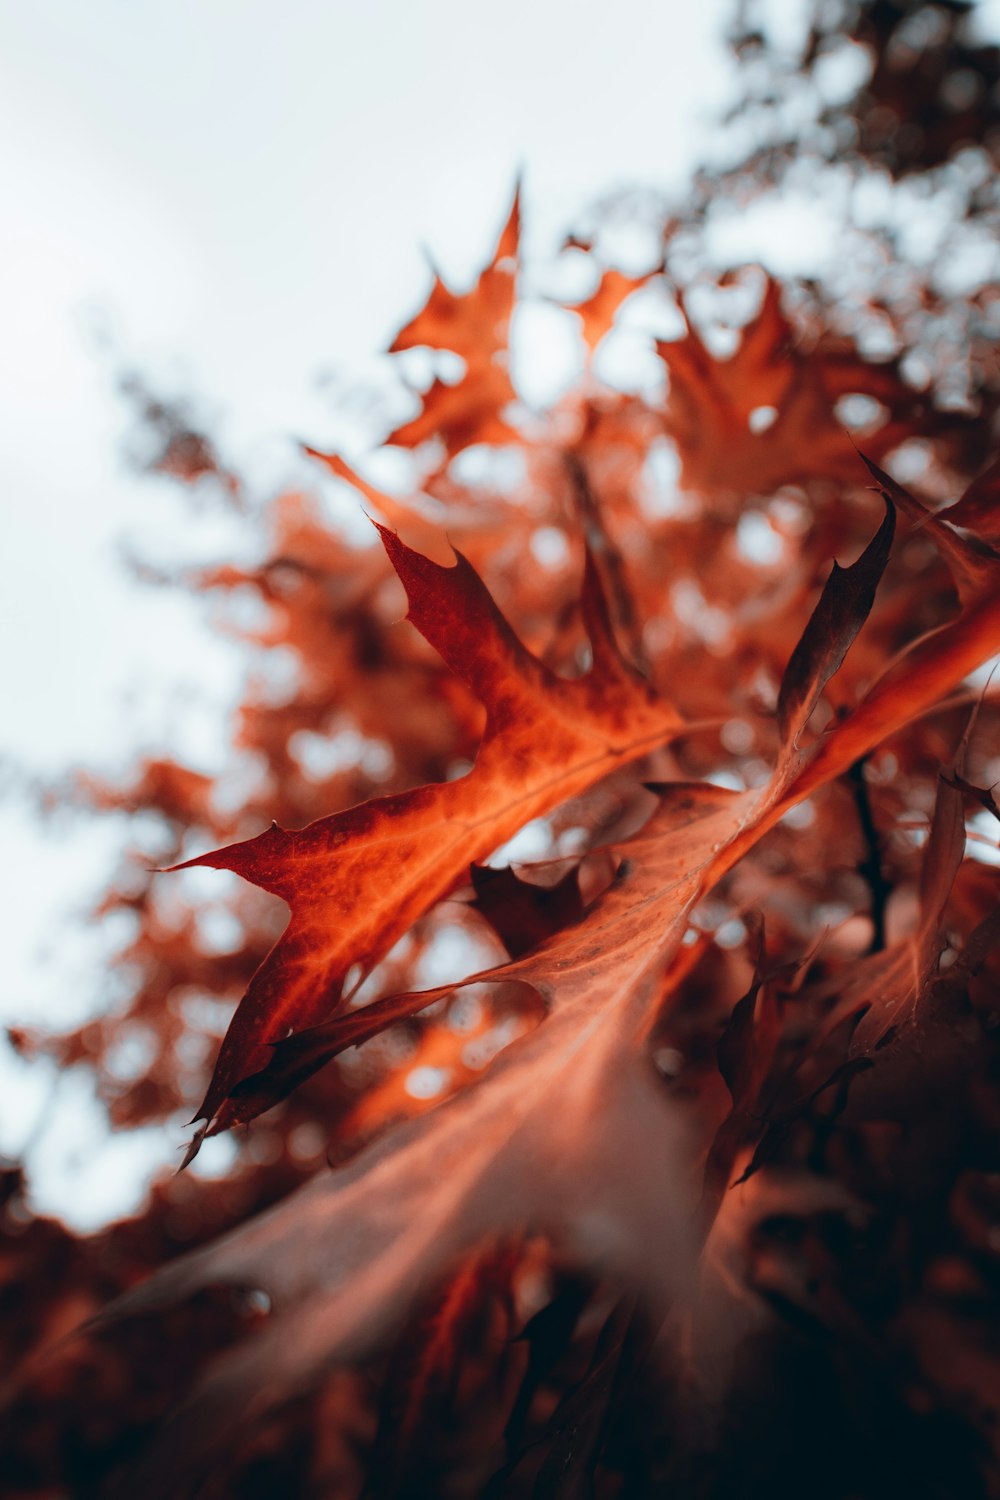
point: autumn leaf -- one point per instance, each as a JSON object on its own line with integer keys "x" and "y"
{"x": 919, "y": 677}
{"x": 602, "y": 981}
{"x": 765, "y": 416}
{"x": 973, "y": 564}
{"x": 475, "y": 326}
{"x": 746, "y": 1052}
{"x": 654, "y": 893}
{"x": 978, "y": 508}
{"x": 597, "y": 313}
{"x": 522, "y": 914}
{"x": 475, "y": 1307}
{"x": 516, "y": 1148}
{"x": 843, "y": 607}
{"x": 462, "y": 414}
{"x": 357, "y": 880}
{"x": 641, "y": 915}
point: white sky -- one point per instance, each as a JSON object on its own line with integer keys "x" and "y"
{"x": 242, "y": 190}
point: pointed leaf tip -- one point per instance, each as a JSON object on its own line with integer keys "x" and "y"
{"x": 193, "y": 1146}
{"x": 843, "y": 607}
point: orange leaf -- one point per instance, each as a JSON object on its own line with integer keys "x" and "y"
{"x": 519, "y": 1148}
{"x": 712, "y": 403}
{"x": 599, "y": 311}
{"x": 973, "y": 564}
{"x": 978, "y": 509}
{"x": 473, "y": 324}
{"x": 359, "y": 879}
{"x": 843, "y": 607}
{"x": 461, "y": 414}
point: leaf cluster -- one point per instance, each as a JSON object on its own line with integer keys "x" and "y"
{"x": 607, "y": 1000}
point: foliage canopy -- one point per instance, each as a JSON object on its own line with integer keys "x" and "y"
{"x": 574, "y": 1163}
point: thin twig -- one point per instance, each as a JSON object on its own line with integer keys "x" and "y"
{"x": 871, "y": 866}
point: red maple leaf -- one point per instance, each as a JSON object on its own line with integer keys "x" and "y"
{"x": 357, "y": 880}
